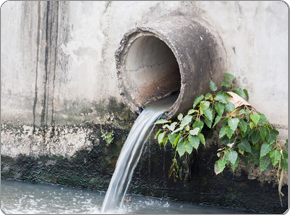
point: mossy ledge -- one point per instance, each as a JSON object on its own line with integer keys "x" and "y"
{"x": 94, "y": 168}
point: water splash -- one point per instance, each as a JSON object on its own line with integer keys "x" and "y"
{"x": 131, "y": 153}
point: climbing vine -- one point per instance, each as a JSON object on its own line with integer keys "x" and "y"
{"x": 245, "y": 134}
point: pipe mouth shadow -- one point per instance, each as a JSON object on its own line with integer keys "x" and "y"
{"x": 151, "y": 70}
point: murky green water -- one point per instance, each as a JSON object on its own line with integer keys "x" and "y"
{"x": 28, "y": 198}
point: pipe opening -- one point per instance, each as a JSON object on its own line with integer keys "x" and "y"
{"x": 171, "y": 55}
{"x": 150, "y": 70}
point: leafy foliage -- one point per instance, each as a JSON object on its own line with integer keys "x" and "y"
{"x": 108, "y": 137}
{"x": 245, "y": 133}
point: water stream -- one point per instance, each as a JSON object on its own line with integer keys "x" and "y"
{"x": 131, "y": 152}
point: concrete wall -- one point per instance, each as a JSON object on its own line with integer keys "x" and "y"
{"x": 76, "y": 69}
{"x": 59, "y": 85}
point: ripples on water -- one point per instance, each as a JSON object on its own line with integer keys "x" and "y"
{"x": 28, "y": 198}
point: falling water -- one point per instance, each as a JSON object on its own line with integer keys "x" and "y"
{"x": 131, "y": 153}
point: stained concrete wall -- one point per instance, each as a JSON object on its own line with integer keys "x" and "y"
{"x": 59, "y": 56}
{"x": 59, "y": 86}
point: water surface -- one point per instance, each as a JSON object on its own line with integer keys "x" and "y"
{"x": 29, "y": 198}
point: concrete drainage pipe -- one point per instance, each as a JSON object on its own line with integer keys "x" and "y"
{"x": 172, "y": 55}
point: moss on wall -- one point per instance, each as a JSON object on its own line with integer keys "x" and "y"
{"x": 94, "y": 168}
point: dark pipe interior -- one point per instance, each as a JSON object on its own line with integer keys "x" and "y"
{"x": 151, "y": 70}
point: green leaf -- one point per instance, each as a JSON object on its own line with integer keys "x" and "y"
{"x": 212, "y": 86}
{"x": 286, "y": 144}
{"x": 198, "y": 124}
{"x": 160, "y": 137}
{"x": 255, "y": 137}
{"x": 221, "y": 164}
{"x": 194, "y": 131}
{"x": 235, "y": 165}
{"x": 208, "y": 122}
{"x": 221, "y": 98}
{"x": 275, "y": 131}
{"x": 226, "y": 94}
{"x": 171, "y": 138}
{"x": 229, "y": 76}
{"x": 222, "y": 132}
{"x": 265, "y": 149}
{"x": 246, "y": 161}
{"x": 271, "y": 137}
{"x": 191, "y": 111}
{"x": 197, "y": 100}
{"x": 230, "y": 107}
{"x": 194, "y": 141}
{"x": 225, "y": 120}
{"x": 216, "y": 168}
{"x": 217, "y": 119}
{"x": 172, "y": 126}
{"x": 246, "y": 93}
{"x": 257, "y": 147}
{"x": 180, "y": 116}
{"x": 201, "y": 138}
{"x": 208, "y": 96}
{"x": 254, "y": 156}
{"x": 284, "y": 161}
{"x": 229, "y": 131}
{"x": 240, "y": 92}
{"x": 244, "y": 134}
{"x": 177, "y": 130}
{"x": 285, "y": 153}
{"x": 188, "y": 147}
{"x": 249, "y": 130}
{"x": 245, "y": 145}
{"x": 161, "y": 121}
{"x": 233, "y": 123}
{"x": 225, "y": 140}
{"x": 204, "y": 105}
{"x": 209, "y": 114}
{"x": 226, "y": 84}
{"x": 241, "y": 112}
{"x": 219, "y": 108}
{"x": 241, "y": 151}
{"x": 232, "y": 156}
{"x": 243, "y": 125}
{"x": 181, "y": 148}
{"x": 176, "y": 140}
{"x": 255, "y": 118}
{"x": 157, "y": 133}
{"x": 263, "y": 132}
{"x": 165, "y": 142}
{"x": 248, "y": 112}
{"x": 186, "y": 120}
{"x": 275, "y": 156}
{"x": 264, "y": 162}
{"x": 262, "y": 118}
{"x": 165, "y": 126}
{"x": 251, "y": 124}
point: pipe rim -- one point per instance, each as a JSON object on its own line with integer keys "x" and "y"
{"x": 121, "y": 55}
